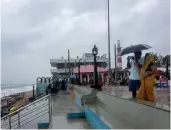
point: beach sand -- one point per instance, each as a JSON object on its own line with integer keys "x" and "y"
{"x": 25, "y": 99}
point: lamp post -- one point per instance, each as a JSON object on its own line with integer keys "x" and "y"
{"x": 95, "y": 52}
{"x": 33, "y": 92}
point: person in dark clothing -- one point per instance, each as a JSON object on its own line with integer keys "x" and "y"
{"x": 72, "y": 81}
{"x": 57, "y": 85}
{"x": 63, "y": 84}
{"x": 49, "y": 88}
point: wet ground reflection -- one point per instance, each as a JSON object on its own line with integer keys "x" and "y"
{"x": 162, "y": 96}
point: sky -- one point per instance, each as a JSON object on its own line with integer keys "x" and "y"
{"x": 35, "y": 31}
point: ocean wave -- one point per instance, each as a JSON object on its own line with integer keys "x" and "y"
{"x": 7, "y": 86}
{"x": 11, "y": 89}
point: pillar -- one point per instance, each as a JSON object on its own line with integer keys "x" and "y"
{"x": 109, "y": 78}
{"x": 103, "y": 78}
{"x": 81, "y": 78}
{"x": 88, "y": 77}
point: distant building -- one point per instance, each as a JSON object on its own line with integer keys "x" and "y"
{"x": 118, "y": 57}
{"x": 62, "y": 66}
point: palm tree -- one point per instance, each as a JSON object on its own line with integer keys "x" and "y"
{"x": 158, "y": 59}
{"x": 165, "y": 60}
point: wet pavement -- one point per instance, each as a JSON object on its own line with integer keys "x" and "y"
{"x": 62, "y": 105}
{"x": 162, "y": 96}
{"x": 61, "y": 122}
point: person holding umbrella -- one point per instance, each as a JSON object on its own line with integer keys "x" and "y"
{"x": 134, "y": 65}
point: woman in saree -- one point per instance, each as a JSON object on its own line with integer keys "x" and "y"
{"x": 147, "y": 78}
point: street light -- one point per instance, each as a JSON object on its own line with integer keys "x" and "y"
{"x": 95, "y": 52}
{"x": 79, "y": 70}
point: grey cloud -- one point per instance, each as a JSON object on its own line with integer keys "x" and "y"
{"x": 38, "y": 30}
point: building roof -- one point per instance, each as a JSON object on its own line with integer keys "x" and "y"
{"x": 89, "y": 69}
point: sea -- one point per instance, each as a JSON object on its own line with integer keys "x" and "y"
{"x": 8, "y": 89}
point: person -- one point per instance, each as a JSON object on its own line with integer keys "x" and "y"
{"x": 134, "y": 65}
{"x": 60, "y": 84}
{"x": 57, "y": 85}
{"x": 72, "y": 81}
{"x": 147, "y": 76}
{"x": 100, "y": 81}
{"x": 63, "y": 84}
{"x": 47, "y": 90}
{"x": 77, "y": 81}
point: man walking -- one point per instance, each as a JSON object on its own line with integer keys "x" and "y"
{"x": 134, "y": 65}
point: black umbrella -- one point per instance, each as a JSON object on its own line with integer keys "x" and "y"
{"x": 134, "y": 48}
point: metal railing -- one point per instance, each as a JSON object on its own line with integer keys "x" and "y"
{"x": 28, "y": 113}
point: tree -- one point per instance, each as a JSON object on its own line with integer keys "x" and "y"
{"x": 164, "y": 60}
{"x": 158, "y": 59}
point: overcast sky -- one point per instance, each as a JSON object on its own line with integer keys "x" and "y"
{"x": 34, "y": 31}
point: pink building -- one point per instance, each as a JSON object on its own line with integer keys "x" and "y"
{"x": 86, "y": 73}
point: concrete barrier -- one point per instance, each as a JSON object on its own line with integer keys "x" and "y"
{"x": 80, "y": 93}
{"x": 109, "y": 111}
{"x": 133, "y": 113}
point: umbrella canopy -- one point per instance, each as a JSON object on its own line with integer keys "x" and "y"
{"x": 134, "y": 48}
{"x": 73, "y": 77}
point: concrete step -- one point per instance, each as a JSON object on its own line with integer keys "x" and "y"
{"x": 62, "y": 122}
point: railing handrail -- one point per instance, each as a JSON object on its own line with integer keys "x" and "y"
{"x": 20, "y": 109}
{"x": 18, "y": 112}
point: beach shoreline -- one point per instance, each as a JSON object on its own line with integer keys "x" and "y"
{"x": 7, "y": 90}
{"x": 25, "y": 100}
{"x": 17, "y": 100}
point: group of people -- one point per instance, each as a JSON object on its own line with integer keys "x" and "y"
{"x": 62, "y": 84}
{"x": 142, "y": 76}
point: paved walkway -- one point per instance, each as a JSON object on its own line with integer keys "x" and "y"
{"x": 62, "y": 105}
{"x": 162, "y": 96}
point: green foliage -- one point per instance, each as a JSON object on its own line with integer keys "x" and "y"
{"x": 160, "y": 60}
{"x": 166, "y": 59}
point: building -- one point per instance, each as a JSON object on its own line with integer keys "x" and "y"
{"x": 61, "y": 66}
{"x": 118, "y": 57}
{"x": 87, "y": 73}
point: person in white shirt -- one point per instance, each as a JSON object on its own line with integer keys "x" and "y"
{"x": 134, "y": 78}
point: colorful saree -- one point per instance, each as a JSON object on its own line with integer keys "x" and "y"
{"x": 146, "y": 90}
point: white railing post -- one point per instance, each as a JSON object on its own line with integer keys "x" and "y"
{"x": 49, "y": 108}
{"x": 19, "y": 119}
{"x": 9, "y": 121}
{"x": 51, "y": 104}
{"x": 19, "y": 116}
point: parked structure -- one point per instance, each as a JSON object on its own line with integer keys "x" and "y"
{"x": 87, "y": 73}
{"x": 62, "y": 65}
